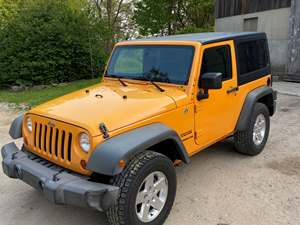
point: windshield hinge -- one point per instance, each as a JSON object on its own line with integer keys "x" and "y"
{"x": 104, "y": 130}
{"x": 195, "y": 108}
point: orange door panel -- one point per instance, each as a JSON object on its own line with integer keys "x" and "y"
{"x": 215, "y": 117}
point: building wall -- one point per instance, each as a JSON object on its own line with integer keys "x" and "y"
{"x": 293, "y": 65}
{"x": 225, "y": 8}
{"x": 275, "y": 23}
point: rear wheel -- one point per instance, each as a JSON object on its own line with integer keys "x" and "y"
{"x": 253, "y": 140}
{"x": 147, "y": 191}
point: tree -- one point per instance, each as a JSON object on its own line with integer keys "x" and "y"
{"x": 114, "y": 14}
{"x": 45, "y": 41}
{"x": 154, "y": 17}
{"x": 50, "y": 41}
{"x": 198, "y": 13}
{"x": 163, "y": 17}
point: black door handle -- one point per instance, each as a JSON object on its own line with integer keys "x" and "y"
{"x": 231, "y": 90}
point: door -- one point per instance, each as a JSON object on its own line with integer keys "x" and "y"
{"x": 215, "y": 117}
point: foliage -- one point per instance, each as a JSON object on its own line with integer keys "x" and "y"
{"x": 153, "y": 17}
{"x": 35, "y": 96}
{"x": 52, "y": 41}
{"x": 116, "y": 16}
{"x": 8, "y": 9}
{"x": 194, "y": 29}
{"x": 49, "y": 41}
{"x": 163, "y": 17}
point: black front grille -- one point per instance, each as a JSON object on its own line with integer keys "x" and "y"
{"x": 53, "y": 141}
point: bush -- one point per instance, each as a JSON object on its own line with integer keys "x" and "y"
{"x": 49, "y": 41}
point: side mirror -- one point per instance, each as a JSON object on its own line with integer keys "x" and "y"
{"x": 209, "y": 81}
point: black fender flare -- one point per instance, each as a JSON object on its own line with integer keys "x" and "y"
{"x": 249, "y": 103}
{"x": 15, "y": 130}
{"x": 105, "y": 158}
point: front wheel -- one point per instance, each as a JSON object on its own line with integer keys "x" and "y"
{"x": 147, "y": 191}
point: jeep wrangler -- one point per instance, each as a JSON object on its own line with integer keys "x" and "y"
{"x": 113, "y": 146}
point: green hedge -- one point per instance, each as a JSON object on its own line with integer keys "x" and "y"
{"x": 49, "y": 41}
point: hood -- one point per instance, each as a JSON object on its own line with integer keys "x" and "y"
{"x": 110, "y": 103}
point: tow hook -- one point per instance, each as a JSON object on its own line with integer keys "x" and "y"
{"x": 55, "y": 176}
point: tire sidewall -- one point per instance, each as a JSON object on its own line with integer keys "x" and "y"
{"x": 260, "y": 109}
{"x": 161, "y": 164}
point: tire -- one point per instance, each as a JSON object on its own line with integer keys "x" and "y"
{"x": 245, "y": 141}
{"x": 133, "y": 179}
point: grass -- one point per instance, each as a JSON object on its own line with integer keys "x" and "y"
{"x": 33, "y": 97}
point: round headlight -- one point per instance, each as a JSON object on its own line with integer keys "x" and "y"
{"x": 84, "y": 142}
{"x": 29, "y": 124}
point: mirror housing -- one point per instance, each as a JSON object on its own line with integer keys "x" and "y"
{"x": 209, "y": 81}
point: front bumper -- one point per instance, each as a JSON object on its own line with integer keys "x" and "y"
{"x": 58, "y": 185}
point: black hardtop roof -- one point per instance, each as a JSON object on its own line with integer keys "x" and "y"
{"x": 205, "y": 38}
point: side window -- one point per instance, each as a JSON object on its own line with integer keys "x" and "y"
{"x": 252, "y": 56}
{"x": 217, "y": 59}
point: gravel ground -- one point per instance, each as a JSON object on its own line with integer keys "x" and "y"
{"x": 219, "y": 186}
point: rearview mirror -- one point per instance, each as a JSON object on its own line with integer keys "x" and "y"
{"x": 209, "y": 81}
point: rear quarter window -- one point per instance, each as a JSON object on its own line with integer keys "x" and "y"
{"x": 253, "y": 60}
{"x": 252, "y": 56}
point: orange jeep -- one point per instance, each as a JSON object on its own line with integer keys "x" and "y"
{"x": 113, "y": 146}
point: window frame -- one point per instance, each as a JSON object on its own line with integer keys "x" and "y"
{"x": 189, "y": 72}
{"x": 227, "y": 46}
{"x": 247, "y": 21}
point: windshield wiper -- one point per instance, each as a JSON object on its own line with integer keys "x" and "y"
{"x": 122, "y": 82}
{"x": 151, "y": 81}
{"x": 119, "y": 79}
{"x": 157, "y": 86}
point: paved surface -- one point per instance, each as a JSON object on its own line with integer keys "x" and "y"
{"x": 218, "y": 187}
{"x": 288, "y": 88}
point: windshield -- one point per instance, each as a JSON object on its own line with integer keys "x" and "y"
{"x": 170, "y": 64}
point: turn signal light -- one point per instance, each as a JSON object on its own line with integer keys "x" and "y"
{"x": 122, "y": 164}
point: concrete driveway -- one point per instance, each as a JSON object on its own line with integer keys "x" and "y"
{"x": 219, "y": 186}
